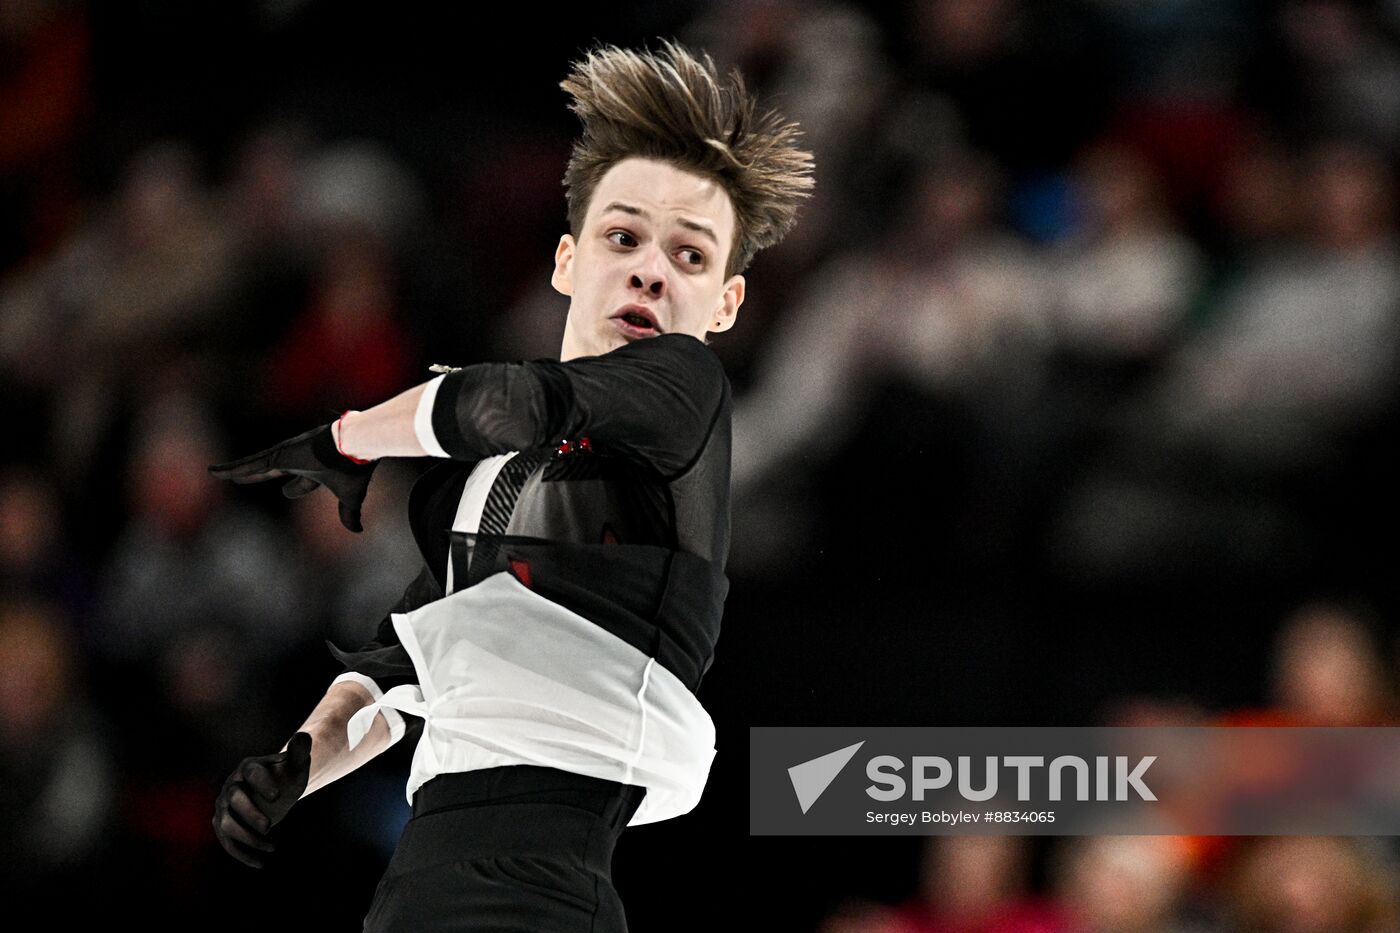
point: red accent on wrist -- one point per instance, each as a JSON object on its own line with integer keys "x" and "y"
{"x": 340, "y": 425}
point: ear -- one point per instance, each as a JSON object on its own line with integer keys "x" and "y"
{"x": 728, "y": 310}
{"x": 563, "y": 265}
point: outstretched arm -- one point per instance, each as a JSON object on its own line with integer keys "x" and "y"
{"x": 652, "y": 400}
{"x": 320, "y": 457}
{"x": 262, "y": 790}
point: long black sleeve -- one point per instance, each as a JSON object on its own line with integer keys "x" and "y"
{"x": 652, "y": 401}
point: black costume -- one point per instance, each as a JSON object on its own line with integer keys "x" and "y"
{"x": 616, "y": 508}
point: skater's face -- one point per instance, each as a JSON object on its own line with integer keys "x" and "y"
{"x": 654, "y": 245}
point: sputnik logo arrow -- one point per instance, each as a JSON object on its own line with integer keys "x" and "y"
{"x": 811, "y": 778}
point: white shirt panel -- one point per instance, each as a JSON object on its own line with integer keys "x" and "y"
{"x": 507, "y": 677}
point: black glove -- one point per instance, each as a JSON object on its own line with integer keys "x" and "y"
{"x": 311, "y": 459}
{"x": 257, "y": 795}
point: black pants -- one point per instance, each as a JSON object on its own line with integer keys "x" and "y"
{"x": 507, "y": 850}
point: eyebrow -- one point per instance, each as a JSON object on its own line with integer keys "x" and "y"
{"x": 638, "y": 212}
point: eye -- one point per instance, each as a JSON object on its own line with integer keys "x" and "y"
{"x": 622, "y": 233}
{"x": 699, "y": 257}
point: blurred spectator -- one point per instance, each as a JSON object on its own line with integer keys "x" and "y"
{"x": 1127, "y": 276}
{"x": 1257, "y": 201}
{"x": 263, "y": 188}
{"x": 1328, "y": 669}
{"x": 1313, "y": 885}
{"x": 977, "y": 884}
{"x": 34, "y": 560}
{"x": 154, "y": 270}
{"x": 938, "y": 302}
{"x": 148, "y": 274}
{"x": 55, "y": 765}
{"x": 45, "y": 62}
{"x": 946, "y": 303}
{"x": 1123, "y": 884}
{"x": 961, "y": 299}
{"x": 1122, "y": 278}
{"x": 1297, "y": 363}
{"x": 189, "y": 559}
{"x": 269, "y": 282}
{"x": 360, "y": 185}
{"x": 347, "y": 349}
{"x": 967, "y": 884}
{"x": 1348, "y": 69}
{"x": 1305, "y": 346}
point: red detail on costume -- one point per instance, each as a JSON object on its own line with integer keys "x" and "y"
{"x": 609, "y": 536}
{"x": 521, "y": 569}
{"x": 569, "y": 447}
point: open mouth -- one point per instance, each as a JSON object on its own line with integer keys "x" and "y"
{"x": 635, "y": 323}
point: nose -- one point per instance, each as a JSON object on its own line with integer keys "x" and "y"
{"x": 649, "y": 273}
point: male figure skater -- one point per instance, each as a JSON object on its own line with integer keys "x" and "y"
{"x": 574, "y": 539}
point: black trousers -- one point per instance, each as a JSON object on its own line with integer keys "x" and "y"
{"x": 507, "y": 850}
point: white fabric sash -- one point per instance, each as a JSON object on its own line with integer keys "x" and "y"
{"x": 507, "y": 676}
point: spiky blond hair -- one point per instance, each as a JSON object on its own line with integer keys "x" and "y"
{"x": 672, "y": 106}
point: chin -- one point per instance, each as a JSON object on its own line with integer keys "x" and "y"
{"x": 609, "y": 342}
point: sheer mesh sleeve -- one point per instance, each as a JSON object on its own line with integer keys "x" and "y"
{"x": 652, "y": 401}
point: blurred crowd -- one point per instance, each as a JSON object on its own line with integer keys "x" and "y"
{"x": 1327, "y": 668}
{"x": 1138, "y": 884}
{"x": 1071, "y": 384}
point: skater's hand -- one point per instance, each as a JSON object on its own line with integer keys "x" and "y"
{"x": 255, "y": 798}
{"x": 312, "y": 460}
